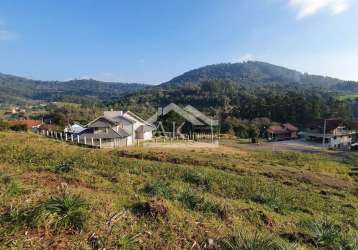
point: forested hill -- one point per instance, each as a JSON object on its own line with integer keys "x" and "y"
{"x": 248, "y": 91}
{"x": 14, "y": 89}
{"x": 258, "y": 73}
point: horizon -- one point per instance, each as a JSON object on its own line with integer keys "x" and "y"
{"x": 154, "y": 84}
{"x": 141, "y": 42}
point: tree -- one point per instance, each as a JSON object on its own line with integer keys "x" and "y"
{"x": 19, "y": 127}
{"x": 4, "y": 125}
{"x": 253, "y": 132}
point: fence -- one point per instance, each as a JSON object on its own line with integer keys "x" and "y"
{"x": 114, "y": 143}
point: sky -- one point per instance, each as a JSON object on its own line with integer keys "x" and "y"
{"x": 153, "y": 41}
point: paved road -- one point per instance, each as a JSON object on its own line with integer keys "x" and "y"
{"x": 293, "y": 145}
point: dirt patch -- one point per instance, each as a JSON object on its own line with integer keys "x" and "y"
{"x": 153, "y": 209}
{"x": 51, "y": 180}
{"x": 188, "y": 145}
{"x": 322, "y": 180}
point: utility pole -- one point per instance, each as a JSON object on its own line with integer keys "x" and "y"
{"x": 212, "y": 132}
{"x": 324, "y": 132}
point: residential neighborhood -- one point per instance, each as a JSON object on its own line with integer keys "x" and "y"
{"x": 335, "y": 133}
{"x": 113, "y": 129}
{"x": 179, "y": 125}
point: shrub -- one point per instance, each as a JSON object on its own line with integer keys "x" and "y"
{"x": 62, "y": 211}
{"x": 198, "y": 202}
{"x": 159, "y": 188}
{"x": 258, "y": 241}
{"x": 64, "y": 167}
{"x": 197, "y": 179}
{"x": 328, "y": 235}
{"x": 128, "y": 242}
{"x": 4, "y": 125}
{"x": 275, "y": 199}
{"x": 12, "y": 187}
{"x": 18, "y": 128}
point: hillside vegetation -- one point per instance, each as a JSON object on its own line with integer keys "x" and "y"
{"x": 259, "y": 73}
{"x": 56, "y": 195}
{"x": 15, "y": 89}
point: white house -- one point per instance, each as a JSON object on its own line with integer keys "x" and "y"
{"x": 115, "y": 129}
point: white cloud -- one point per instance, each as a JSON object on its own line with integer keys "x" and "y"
{"x": 6, "y": 35}
{"x": 103, "y": 76}
{"x": 310, "y": 7}
{"x": 246, "y": 57}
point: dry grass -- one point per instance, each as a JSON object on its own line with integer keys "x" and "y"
{"x": 171, "y": 199}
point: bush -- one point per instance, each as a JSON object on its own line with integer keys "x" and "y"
{"x": 272, "y": 197}
{"x": 197, "y": 179}
{"x": 62, "y": 211}
{"x": 4, "y": 125}
{"x": 328, "y": 235}
{"x": 18, "y": 128}
{"x": 258, "y": 241}
{"x": 12, "y": 187}
{"x": 198, "y": 202}
{"x": 159, "y": 188}
{"x": 64, "y": 167}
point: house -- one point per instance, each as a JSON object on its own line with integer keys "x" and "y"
{"x": 74, "y": 129}
{"x": 30, "y": 124}
{"x": 334, "y": 133}
{"x": 115, "y": 129}
{"x": 284, "y": 131}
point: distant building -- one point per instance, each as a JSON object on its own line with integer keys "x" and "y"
{"x": 334, "y": 133}
{"x": 47, "y": 127}
{"x": 30, "y": 124}
{"x": 114, "y": 129}
{"x": 74, "y": 129}
{"x": 284, "y": 131}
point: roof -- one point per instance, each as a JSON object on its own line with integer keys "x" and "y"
{"x": 29, "y": 123}
{"x": 331, "y": 124}
{"x": 277, "y": 129}
{"x": 290, "y": 127}
{"x": 101, "y": 122}
{"x": 112, "y": 134}
{"x": 75, "y": 128}
{"x": 282, "y": 128}
{"x": 47, "y": 127}
{"x": 118, "y": 119}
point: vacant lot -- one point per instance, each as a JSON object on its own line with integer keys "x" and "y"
{"x": 279, "y": 146}
{"x": 58, "y": 196}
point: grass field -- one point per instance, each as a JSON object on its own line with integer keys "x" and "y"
{"x": 59, "y": 196}
{"x": 351, "y": 96}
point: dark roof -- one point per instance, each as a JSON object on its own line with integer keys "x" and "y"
{"x": 101, "y": 122}
{"x": 331, "y": 124}
{"x": 118, "y": 119}
{"x": 112, "y": 134}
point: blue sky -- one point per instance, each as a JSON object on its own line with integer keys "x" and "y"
{"x": 153, "y": 41}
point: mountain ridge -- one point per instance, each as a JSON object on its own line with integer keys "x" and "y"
{"x": 21, "y": 89}
{"x": 251, "y": 74}
{"x": 255, "y": 72}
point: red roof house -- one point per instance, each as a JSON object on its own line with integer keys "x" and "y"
{"x": 28, "y": 123}
{"x": 282, "y": 132}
